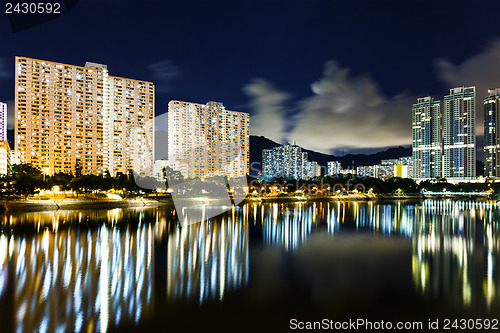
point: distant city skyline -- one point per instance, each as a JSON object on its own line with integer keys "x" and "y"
{"x": 305, "y": 71}
{"x": 290, "y": 162}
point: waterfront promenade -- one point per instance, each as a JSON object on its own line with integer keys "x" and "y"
{"x": 35, "y": 204}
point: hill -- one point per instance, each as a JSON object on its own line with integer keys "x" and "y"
{"x": 257, "y": 143}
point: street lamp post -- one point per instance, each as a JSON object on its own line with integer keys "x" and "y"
{"x": 45, "y": 172}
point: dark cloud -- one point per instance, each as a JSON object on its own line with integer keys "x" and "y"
{"x": 269, "y": 113}
{"x": 350, "y": 112}
{"x": 481, "y": 70}
{"x": 164, "y": 73}
{"x": 344, "y": 112}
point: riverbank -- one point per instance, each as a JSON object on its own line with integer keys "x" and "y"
{"x": 347, "y": 197}
{"x": 85, "y": 203}
{"x": 41, "y": 205}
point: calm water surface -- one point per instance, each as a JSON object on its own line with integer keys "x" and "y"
{"x": 254, "y": 268}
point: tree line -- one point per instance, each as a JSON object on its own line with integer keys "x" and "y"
{"x": 26, "y": 179}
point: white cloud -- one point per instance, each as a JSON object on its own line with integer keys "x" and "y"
{"x": 269, "y": 116}
{"x": 164, "y": 72}
{"x": 350, "y": 112}
{"x": 481, "y": 70}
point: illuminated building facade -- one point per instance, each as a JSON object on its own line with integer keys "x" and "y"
{"x": 4, "y": 144}
{"x": 312, "y": 170}
{"x": 427, "y": 138}
{"x": 288, "y": 161}
{"x": 397, "y": 167}
{"x": 3, "y": 121}
{"x": 366, "y": 171}
{"x": 333, "y": 168}
{"x": 459, "y": 140}
{"x": 4, "y": 157}
{"x": 81, "y": 120}
{"x": 284, "y": 161}
{"x": 492, "y": 133}
{"x": 206, "y": 140}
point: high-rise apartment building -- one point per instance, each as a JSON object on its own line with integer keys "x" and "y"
{"x": 366, "y": 171}
{"x": 288, "y": 161}
{"x": 492, "y": 133}
{"x": 459, "y": 140}
{"x": 427, "y": 138}
{"x": 207, "y": 140}
{"x": 311, "y": 169}
{"x": 333, "y": 168}
{"x": 4, "y": 157}
{"x": 3, "y": 121}
{"x": 81, "y": 120}
{"x": 4, "y": 144}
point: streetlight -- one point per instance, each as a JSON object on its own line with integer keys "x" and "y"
{"x": 45, "y": 172}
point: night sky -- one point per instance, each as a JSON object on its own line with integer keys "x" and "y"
{"x": 330, "y": 75}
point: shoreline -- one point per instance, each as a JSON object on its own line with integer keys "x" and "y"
{"x": 67, "y": 204}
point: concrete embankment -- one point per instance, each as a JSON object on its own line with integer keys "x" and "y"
{"x": 349, "y": 197}
{"x": 41, "y": 205}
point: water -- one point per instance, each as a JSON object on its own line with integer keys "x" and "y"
{"x": 253, "y": 268}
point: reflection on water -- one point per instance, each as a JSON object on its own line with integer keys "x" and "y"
{"x": 456, "y": 244}
{"x": 456, "y": 252}
{"x": 80, "y": 280}
{"x": 288, "y": 226}
{"x": 206, "y": 260}
{"x": 98, "y": 270}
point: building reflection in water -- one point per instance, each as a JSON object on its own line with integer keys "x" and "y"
{"x": 94, "y": 270}
{"x": 287, "y": 226}
{"x": 207, "y": 260}
{"x": 455, "y": 244}
{"x": 80, "y": 279}
{"x": 456, "y": 252}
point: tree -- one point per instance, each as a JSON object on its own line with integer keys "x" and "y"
{"x": 171, "y": 176}
{"x": 87, "y": 183}
{"x": 60, "y": 179}
{"x": 26, "y": 179}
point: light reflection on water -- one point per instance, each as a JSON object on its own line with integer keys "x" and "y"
{"x": 76, "y": 280}
{"x": 205, "y": 260}
{"x": 456, "y": 244}
{"x": 95, "y": 270}
{"x": 456, "y": 253}
{"x": 289, "y": 226}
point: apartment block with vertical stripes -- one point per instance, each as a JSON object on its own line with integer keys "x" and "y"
{"x": 206, "y": 140}
{"x": 81, "y": 120}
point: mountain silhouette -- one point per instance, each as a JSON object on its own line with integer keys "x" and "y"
{"x": 258, "y": 143}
